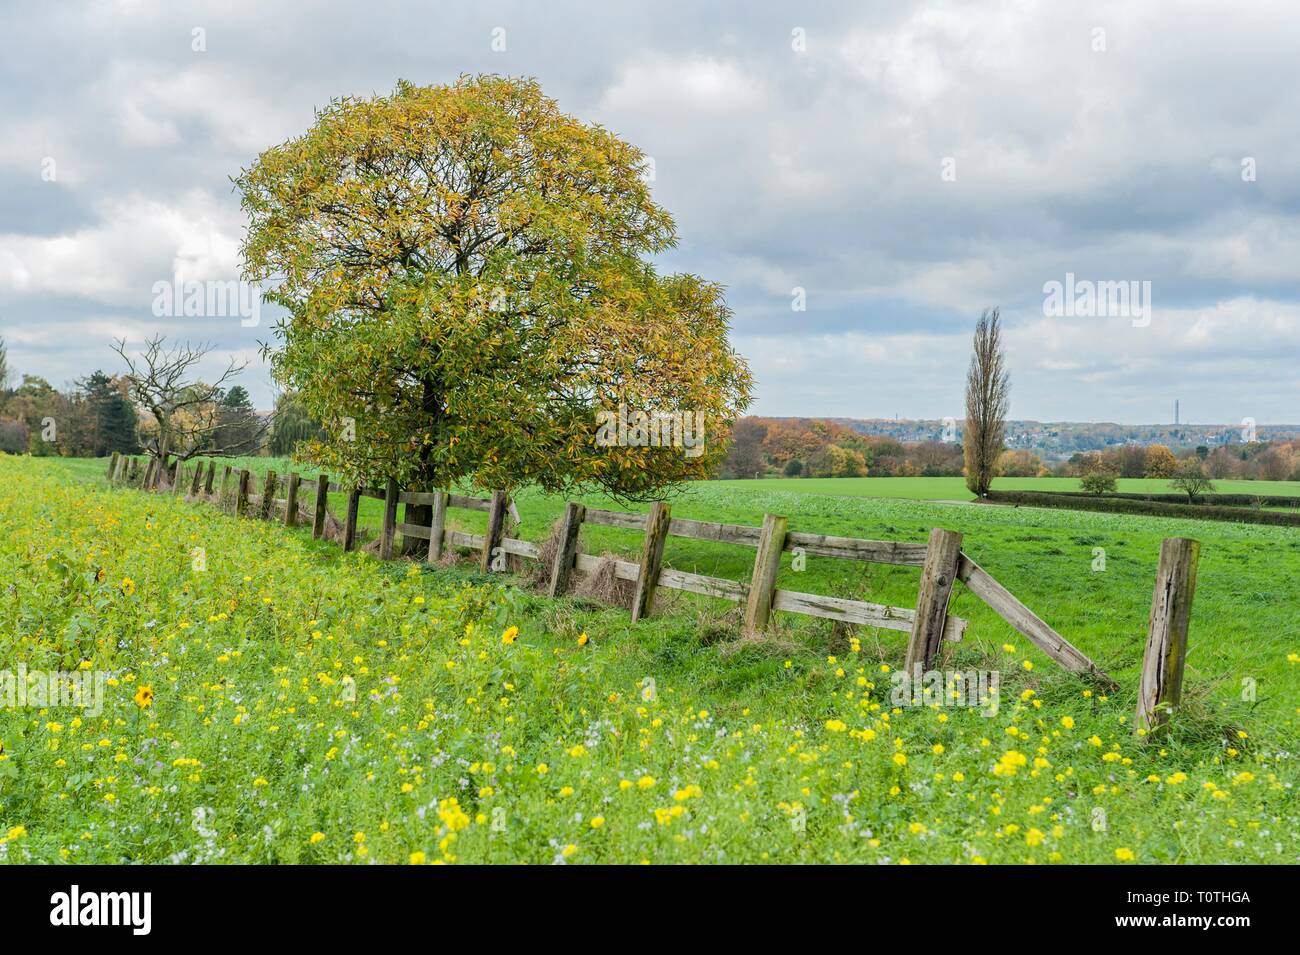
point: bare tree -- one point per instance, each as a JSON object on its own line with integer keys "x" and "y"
{"x": 183, "y": 414}
{"x": 988, "y": 390}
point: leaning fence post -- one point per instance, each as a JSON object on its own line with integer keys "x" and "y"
{"x": 198, "y": 479}
{"x": 437, "y": 525}
{"x": 938, "y": 574}
{"x": 1160, "y": 687}
{"x": 207, "y": 481}
{"x": 566, "y": 548}
{"x": 112, "y": 463}
{"x": 389, "y": 527}
{"x": 291, "y": 499}
{"x": 767, "y": 564}
{"x": 350, "y": 519}
{"x": 241, "y": 492}
{"x": 652, "y": 558}
{"x": 322, "y": 498}
{"x": 495, "y": 527}
{"x": 178, "y": 485}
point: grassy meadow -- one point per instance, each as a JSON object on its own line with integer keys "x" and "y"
{"x": 313, "y": 706}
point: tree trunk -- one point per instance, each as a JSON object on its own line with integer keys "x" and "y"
{"x": 422, "y": 514}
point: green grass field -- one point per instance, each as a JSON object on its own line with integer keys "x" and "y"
{"x": 783, "y": 749}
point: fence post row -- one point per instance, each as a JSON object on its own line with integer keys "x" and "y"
{"x": 1160, "y": 687}
{"x": 938, "y": 574}
{"x": 652, "y": 558}
{"x": 942, "y": 564}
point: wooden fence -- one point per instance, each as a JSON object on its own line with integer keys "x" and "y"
{"x": 940, "y": 560}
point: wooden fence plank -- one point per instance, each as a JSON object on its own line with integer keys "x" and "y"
{"x": 938, "y": 575}
{"x": 350, "y": 520}
{"x": 461, "y": 539}
{"x": 520, "y": 548}
{"x": 982, "y": 584}
{"x": 712, "y": 531}
{"x": 636, "y": 522}
{"x": 902, "y": 553}
{"x": 322, "y": 500}
{"x": 720, "y": 587}
{"x": 652, "y": 556}
{"x": 496, "y": 525}
{"x": 767, "y": 563}
{"x": 389, "y": 526}
{"x": 413, "y": 530}
{"x": 1160, "y": 687}
{"x": 860, "y": 612}
{"x": 437, "y": 525}
{"x": 566, "y": 548}
{"x": 623, "y": 569}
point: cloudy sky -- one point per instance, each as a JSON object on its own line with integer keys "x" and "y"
{"x": 904, "y": 164}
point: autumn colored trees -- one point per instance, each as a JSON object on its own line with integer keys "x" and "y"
{"x": 468, "y": 274}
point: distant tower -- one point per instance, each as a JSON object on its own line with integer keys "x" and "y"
{"x": 1175, "y": 411}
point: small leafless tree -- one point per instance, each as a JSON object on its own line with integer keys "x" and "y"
{"x": 988, "y": 390}
{"x": 183, "y": 412}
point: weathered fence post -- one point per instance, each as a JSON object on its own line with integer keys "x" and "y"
{"x": 198, "y": 479}
{"x": 322, "y": 499}
{"x": 225, "y": 481}
{"x": 495, "y": 526}
{"x": 291, "y": 499}
{"x": 178, "y": 484}
{"x": 350, "y": 519}
{"x": 112, "y": 463}
{"x": 652, "y": 558}
{"x": 762, "y": 585}
{"x": 566, "y": 548}
{"x": 938, "y": 574}
{"x": 147, "y": 482}
{"x": 241, "y": 492}
{"x": 437, "y": 525}
{"x": 1160, "y": 687}
{"x": 207, "y": 481}
{"x": 389, "y": 527}
{"x": 133, "y": 470}
{"x": 267, "y": 504}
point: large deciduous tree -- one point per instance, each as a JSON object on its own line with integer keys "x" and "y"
{"x": 467, "y": 272}
{"x": 988, "y": 391}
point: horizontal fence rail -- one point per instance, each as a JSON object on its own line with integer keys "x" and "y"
{"x": 940, "y": 560}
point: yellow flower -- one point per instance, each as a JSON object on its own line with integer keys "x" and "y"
{"x": 597, "y": 821}
{"x": 583, "y": 639}
{"x": 510, "y": 636}
{"x": 1124, "y": 855}
{"x": 416, "y": 858}
{"x": 1067, "y": 722}
{"x": 1034, "y": 837}
{"x": 316, "y": 837}
{"x": 143, "y": 697}
{"x": 836, "y": 726}
{"x": 128, "y": 586}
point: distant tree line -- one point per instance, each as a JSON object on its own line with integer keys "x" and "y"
{"x": 102, "y": 413}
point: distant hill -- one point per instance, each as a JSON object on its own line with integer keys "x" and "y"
{"x": 1057, "y": 440}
